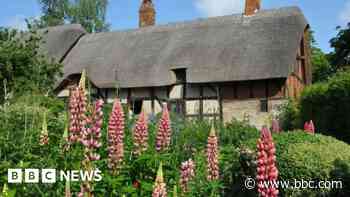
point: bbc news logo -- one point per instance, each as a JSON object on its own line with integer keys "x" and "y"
{"x": 51, "y": 175}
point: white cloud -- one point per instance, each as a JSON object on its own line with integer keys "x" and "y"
{"x": 344, "y": 15}
{"x": 17, "y": 22}
{"x": 219, "y": 7}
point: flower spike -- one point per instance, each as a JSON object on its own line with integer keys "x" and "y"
{"x": 164, "y": 131}
{"x": 44, "y": 136}
{"x": 140, "y": 134}
{"x": 159, "y": 189}
{"x": 116, "y": 137}
{"x": 212, "y": 156}
{"x": 267, "y": 171}
{"x": 187, "y": 174}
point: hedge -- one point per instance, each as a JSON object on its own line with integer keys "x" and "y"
{"x": 309, "y": 157}
{"x": 328, "y": 105}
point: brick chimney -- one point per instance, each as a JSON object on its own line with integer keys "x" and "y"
{"x": 147, "y": 14}
{"x": 251, "y": 7}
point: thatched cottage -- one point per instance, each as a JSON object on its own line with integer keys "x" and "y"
{"x": 236, "y": 66}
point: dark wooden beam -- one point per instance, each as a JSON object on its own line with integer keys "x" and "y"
{"x": 267, "y": 88}
{"x": 201, "y": 102}
{"x": 152, "y": 99}
{"x": 184, "y": 99}
{"x": 219, "y": 94}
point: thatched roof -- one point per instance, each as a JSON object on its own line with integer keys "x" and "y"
{"x": 57, "y": 41}
{"x": 219, "y": 49}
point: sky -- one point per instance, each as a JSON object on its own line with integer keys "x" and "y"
{"x": 324, "y": 16}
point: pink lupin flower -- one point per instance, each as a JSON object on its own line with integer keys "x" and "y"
{"x": 261, "y": 169}
{"x": 266, "y": 170}
{"x": 116, "y": 137}
{"x": 309, "y": 127}
{"x": 275, "y": 126}
{"x": 92, "y": 133}
{"x": 312, "y": 127}
{"x": 212, "y": 156}
{"x": 159, "y": 189}
{"x": 187, "y": 174}
{"x": 77, "y": 109}
{"x": 140, "y": 134}
{"x": 306, "y": 126}
{"x": 164, "y": 130}
{"x": 74, "y": 125}
{"x": 44, "y": 135}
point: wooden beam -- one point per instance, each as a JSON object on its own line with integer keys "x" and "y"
{"x": 267, "y": 88}
{"x": 201, "y": 102}
{"x": 301, "y": 57}
{"x": 203, "y": 115}
{"x": 184, "y": 99}
{"x": 235, "y": 93}
{"x": 152, "y": 99}
{"x": 219, "y": 94}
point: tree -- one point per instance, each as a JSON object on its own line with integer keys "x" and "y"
{"x": 54, "y": 12}
{"x": 22, "y": 68}
{"x": 322, "y": 69}
{"x": 341, "y": 44}
{"x": 91, "y": 14}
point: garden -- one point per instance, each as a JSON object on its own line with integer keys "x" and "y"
{"x": 166, "y": 155}
{"x": 163, "y": 156}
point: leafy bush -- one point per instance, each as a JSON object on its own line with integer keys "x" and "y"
{"x": 328, "y": 105}
{"x": 289, "y": 115}
{"x": 308, "y": 157}
{"x": 22, "y": 68}
{"x": 19, "y": 144}
{"x": 236, "y": 133}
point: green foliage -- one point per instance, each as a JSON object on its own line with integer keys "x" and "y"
{"x": 328, "y": 104}
{"x": 341, "y": 44}
{"x": 236, "y": 133}
{"x": 54, "y": 12}
{"x": 19, "y": 144}
{"x": 309, "y": 157}
{"x": 289, "y": 115}
{"x": 22, "y": 68}
{"x": 19, "y": 147}
{"x": 341, "y": 171}
{"x": 91, "y": 14}
{"x": 299, "y": 155}
{"x": 321, "y": 68}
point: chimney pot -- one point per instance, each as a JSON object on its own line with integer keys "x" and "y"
{"x": 147, "y": 13}
{"x": 252, "y": 7}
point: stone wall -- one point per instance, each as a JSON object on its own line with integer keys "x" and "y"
{"x": 239, "y": 109}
